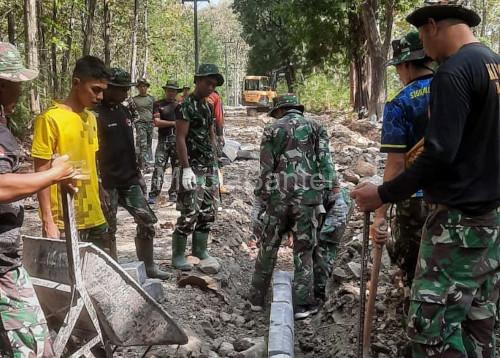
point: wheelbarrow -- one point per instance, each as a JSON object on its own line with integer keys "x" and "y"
{"x": 126, "y": 314}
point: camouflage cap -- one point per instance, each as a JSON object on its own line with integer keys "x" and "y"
{"x": 120, "y": 78}
{"x": 444, "y": 9}
{"x": 210, "y": 70}
{"x": 406, "y": 49}
{"x": 171, "y": 84}
{"x": 11, "y": 65}
{"x": 186, "y": 87}
{"x": 288, "y": 101}
{"x": 144, "y": 82}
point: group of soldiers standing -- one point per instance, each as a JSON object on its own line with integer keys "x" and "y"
{"x": 441, "y": 133}
{"x": 88, "y": 139}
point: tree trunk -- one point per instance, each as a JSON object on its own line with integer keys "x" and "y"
{"x": 358, "y": 74}
{"x": 69, "y": 44}
{"x": 133, "y": 60}
{"x": 484, "y": 17}
{"x": 377, "y": 51}
{"x": 146, "y": 39}
{"x": 53, "y": 52}
{"x": 89, "y": 27}
{"x": 107, "y": 33}
{"x": 11, "y": 25}
{"x": 31, "y": 34}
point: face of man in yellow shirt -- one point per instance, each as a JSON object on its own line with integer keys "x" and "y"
{"x": 89, "y": 91}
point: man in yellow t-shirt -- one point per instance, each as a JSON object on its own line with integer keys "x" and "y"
{"x": 69, "y": 128}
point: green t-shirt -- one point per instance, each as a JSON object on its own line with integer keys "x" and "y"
{"x": 144, "y": 106}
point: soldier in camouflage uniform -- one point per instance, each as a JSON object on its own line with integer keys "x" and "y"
{"x": 455, "y": 291}
{"x": 120, "y": 174}
{"x": 198, "y": 192}
{"x": 404, "y": 124}
{"x": 23, "y": 329}
{"x": 296, "y": 168}
{"x": 166, "y": 111}
{"x": 144, "y": 124}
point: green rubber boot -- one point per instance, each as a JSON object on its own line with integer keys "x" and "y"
{"x": 200, "y": 240}
{"x": 144, "y": 250}
{"x": 178, "y": 247}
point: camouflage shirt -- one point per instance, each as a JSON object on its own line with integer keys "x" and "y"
{"x": 295, "y": 162}
{"x": 11, "y": 214}
{"x": 199, "y": 144}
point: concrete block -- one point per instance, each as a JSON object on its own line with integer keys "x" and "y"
{"x": 154, "y": 287}
{"x": 136, "y": 270}
{"x": 282, "y": 278}
{"x": 281, "y": 315}
{"x": 282, "y": 293}
{"x": 280, "y": 341}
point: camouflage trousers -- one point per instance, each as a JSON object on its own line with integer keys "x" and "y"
{"x": 332, "y": 226}
{"x": 165, "y": 154}
{"x": 144, "y": 142}
{"x": 198, "y": 207}
{"x": 133, "y": 200}
{"x": 455, "y": 291}
{"x": 407, "y": 231}
{"x": 302, "y": 221}
{"x": 23, "y": 329}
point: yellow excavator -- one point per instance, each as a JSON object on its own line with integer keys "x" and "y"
{"x": 257, "y": 94}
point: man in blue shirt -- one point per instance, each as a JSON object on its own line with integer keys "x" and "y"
{"x": 405, "y": 121}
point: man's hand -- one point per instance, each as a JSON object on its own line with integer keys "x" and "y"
{"x": 50, "y": 230}
{"x": 156, "y": 119}
{"x": 366, "y": 197}
{"x": 142, "y": 184}
{"x": 62, "y": 169}
{"x": 105, "y": 199}
{"x": 379, "y": 230}
{"x": 188, "y": 179}
{"x": 221, "y": 141}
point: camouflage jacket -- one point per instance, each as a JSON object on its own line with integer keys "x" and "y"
{"x": 11, "y": 214}
{"x": 197, "y": 112}
{"x": 295, "y": 162}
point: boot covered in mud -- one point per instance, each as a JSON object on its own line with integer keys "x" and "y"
{"x": 144, "y": 249}
{"x": 179, "y": 261}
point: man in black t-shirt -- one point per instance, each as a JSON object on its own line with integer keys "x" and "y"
{"x": 165, "y": 112}
{"x": 119, "y": 170}
{"x": 456, "y": 286}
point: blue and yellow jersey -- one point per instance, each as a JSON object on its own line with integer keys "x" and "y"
{"x": 406, "y": 116}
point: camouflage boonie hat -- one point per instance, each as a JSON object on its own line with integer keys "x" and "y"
{"x": 120, "y": 78}
{"x": 171, "y": 84}
{"x": 144, "y": 82}
{"x": 289, "y": 101}
{"x": 11, "y": 65}
{"x": 444, "y": 9}
{"x": 408, "y": 48}
{"x": 210, "y": 70}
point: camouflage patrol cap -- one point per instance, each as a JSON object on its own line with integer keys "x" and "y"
{"x": 144, "y": 82}
{"x": 209, "y": 70}
{"x": 11, "y": 65}
{"x": 120, "y": 78}
{"x": 171, "y": 84}
{"x": 444, "y": 9}
{"x": 288, "y": 101}
{"x": 406, "y": 49}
